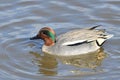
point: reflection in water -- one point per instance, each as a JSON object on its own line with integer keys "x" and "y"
{"x": 48, "y": 63}
{"x": 90, "y": 60}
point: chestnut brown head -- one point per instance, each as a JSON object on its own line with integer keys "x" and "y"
{"x": 47, "y": 34}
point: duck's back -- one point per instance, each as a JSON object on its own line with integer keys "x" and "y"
{"x": 79, "y": 35}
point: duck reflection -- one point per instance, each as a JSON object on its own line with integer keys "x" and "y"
{"x": 90, "y": 60}
{"x": 48, "y": 63}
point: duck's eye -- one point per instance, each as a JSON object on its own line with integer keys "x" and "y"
{"x": 45, "y": 33}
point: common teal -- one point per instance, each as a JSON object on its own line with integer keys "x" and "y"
{"x": 74, "y": 42}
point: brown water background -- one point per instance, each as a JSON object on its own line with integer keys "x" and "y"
{"x": 22, "y": 59}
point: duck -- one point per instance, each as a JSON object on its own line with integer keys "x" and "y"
{"x": 74, "y": 42}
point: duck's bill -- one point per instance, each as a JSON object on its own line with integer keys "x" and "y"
{"x": 35, "y": 37}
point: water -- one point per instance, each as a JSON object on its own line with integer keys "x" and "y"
{"x": 22, "y": 59}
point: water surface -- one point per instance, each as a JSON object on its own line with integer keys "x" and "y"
{"x": 22, "y": 59}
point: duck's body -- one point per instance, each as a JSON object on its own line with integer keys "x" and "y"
{"x": 74, "y": 42}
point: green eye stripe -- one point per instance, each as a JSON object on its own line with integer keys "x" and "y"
{"x": 50, "y": 34}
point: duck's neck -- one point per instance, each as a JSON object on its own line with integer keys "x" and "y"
{"x": 49, "y": 42}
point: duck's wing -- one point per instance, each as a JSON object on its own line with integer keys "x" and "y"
{"x": 79, "y": 36}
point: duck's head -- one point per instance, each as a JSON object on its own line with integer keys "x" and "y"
{"x": 47, "y": 34}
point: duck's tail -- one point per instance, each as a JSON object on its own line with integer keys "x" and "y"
{"x": 101, "y": 40}
{"x": 108, "y": 36}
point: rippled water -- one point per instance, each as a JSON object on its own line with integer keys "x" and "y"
{"x": 22, "y": 59}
